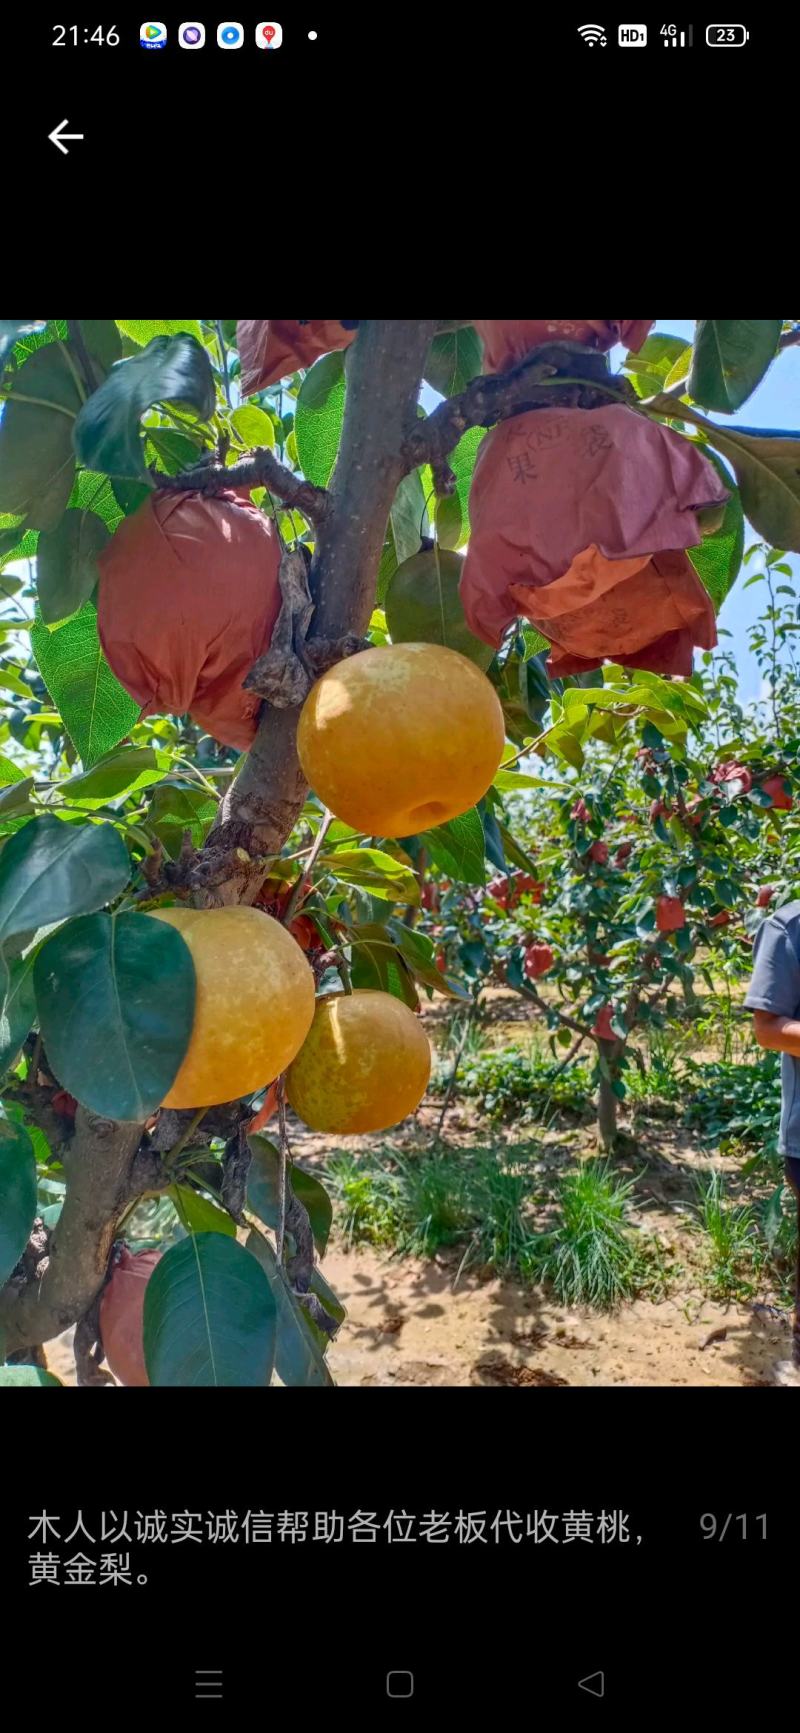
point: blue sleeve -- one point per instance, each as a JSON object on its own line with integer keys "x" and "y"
{"x": 775, "y": 981}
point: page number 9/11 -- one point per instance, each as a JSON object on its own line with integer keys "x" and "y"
{"x": 730, "y": 1526}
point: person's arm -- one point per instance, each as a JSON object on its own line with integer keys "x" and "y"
{"x": 773, "y": 995}
{"x": 779, "y": 1034}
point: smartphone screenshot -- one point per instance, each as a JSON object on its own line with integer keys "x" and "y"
{"x": 399, "y": 980}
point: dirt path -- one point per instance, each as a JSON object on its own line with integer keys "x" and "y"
{"x": 405, "y": 1325}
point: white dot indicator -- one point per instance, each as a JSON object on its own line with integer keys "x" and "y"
{"x": 312, "y": 35}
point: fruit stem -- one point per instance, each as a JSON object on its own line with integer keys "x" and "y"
{"x": 172, "y": 1154}
{"x": 304, "y": 880}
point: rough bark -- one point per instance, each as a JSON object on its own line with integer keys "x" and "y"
{"x": 607, "y": 1105}
{"x": 98, "y": 1167}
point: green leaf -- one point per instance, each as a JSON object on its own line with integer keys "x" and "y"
{"x": 452, "y": 511}
{"x": 172, "y": 452}
{"x": 376, "y": 871}
{"x": 377, "y": 965}
{"x": 108, "y": 435}
{"x": 15, "y": 803}
{"x": 652, "y": 365}
{"x": 419, "y": 953}
{"x": 143, "y": 331}
{"x": 93, "y": 492}
{"x": 299, "y": 1358}
{"x": 17, "y": 1194}
{"x": 767, "y": 468}
{"x": 51, "y": 870}
{"x": 37, "y": 461}
{"x": 458, "y": 848}
{"x": 209, "y": 1316}
{"x": 18, "y": 1013}
{"x": 330, "y": 1300}
{"x": 730, "y": 357}
{"x": 717, "y": 559}
{"x": 120, "y": 772}
{"x": 27, "y": 1375}
{"x": 263, "y": 1191}
{"x": 66, "y": 564}
{"x": 253, "y": 426}
{"x": 454, "y": 358}
{"x": 102, "y": 340}
{"x": 17, "y": 544}
{"x": 319, "y": 416}
{"x": 407, "y": 516}
{"x": 115, "y": 996}
{"x": 179, "y": 806}
{"x": 198, "y": 1214}
{"x": 97, "y": 710}
{"x": 12, "y": 329}
{"x": 423, "y": 606}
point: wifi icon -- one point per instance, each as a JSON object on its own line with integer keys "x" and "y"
{"x": 593, "y": 34}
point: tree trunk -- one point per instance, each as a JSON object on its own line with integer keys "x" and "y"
{"x": 607, "y": 1101}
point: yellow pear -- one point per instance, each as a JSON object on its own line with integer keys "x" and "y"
{"x": 254, "y": 1003}
{"x": 364, "y": 1066}
{"x": 399, "y": 739}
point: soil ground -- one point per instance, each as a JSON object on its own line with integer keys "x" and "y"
{"x": 413, "y": 1322}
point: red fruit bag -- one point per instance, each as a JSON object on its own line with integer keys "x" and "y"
{"x": 506, "y": 341}
{"x": 269, "y": 349}
{"x": 579, "y": 521}
{"x": 122, "y": 1316}
{"x": 187, "y": 601}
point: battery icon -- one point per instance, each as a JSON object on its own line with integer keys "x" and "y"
{"x": 727, "y": 35}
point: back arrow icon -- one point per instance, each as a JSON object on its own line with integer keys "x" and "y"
{"x": 58, "y": 135}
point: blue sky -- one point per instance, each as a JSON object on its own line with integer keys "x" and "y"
{"x": 776, "y": 404}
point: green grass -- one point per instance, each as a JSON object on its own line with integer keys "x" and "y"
{"x": 589, "y": 1258}
{"x": 489, "y": 1201}
{"x": 509, "y": 1083}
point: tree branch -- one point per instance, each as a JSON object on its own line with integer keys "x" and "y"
{"x": 99, "y": 1166}
{"x": 262, "y": 470}
{"x": 553, "y": 375}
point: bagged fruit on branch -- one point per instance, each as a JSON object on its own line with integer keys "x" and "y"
{"x": 188, "y": 598}
{"x": 580, "y": 519}
{"x": 507, "y": 341}
{"x": 122, "y": 1316}
{"x": 270, "y": 349}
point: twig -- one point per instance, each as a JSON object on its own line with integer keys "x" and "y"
{"x": 305, "y": 876}
{"x": 263, "y": 469}
{"x": 76, "y": 339}
{"x": 454, "y": 1073}
{"x": 283, "y": 1150}
{"x": 223, "y": 350}
{"x": 172, "y": 1154}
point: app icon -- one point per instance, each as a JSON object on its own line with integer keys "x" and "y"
{"x": 191, "y": 35}
{"x": 230, "y": 36}
{"x": 268, "y": 35}
{"x": 153, "y": 35}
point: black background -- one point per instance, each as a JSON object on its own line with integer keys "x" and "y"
{"x": 379, "y": 86}
{"x": 677, "y": 1624}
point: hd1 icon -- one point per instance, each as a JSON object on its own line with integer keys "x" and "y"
{"x": 632, "y": 35}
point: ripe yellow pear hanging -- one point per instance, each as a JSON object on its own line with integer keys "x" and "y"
{"x": 399, "y": 739}
{"x": 254, "y": 1003}
{"x": 364, "y": 1066}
